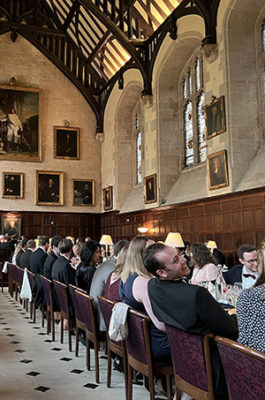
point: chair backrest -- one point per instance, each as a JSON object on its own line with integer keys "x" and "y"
{"x": 138, "y": 340}
{"x": 47, "y": 288}
{"x": 31, "y": 277}
{"x": 11, "y": 270}
{"x": 19, "y": 273}
{"x": 85, "y": 305}
{"x": 244, "y": 369}
{"x": 62, "y": 294}
{"x": 79, "y": 313}
{"x": 191, "y": 358}
{"x": 106, "y": 306}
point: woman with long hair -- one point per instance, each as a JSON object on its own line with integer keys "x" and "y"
{"x": 205, "y": 269}
{"x": 250, "y": 311}
{"x": 133, "y": 290}
{"x": 90, "y": 255}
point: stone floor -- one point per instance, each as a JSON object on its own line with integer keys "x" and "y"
{"x": 34, "y": 367}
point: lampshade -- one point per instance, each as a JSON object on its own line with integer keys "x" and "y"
{"x": 106, "y": 239}
{"x": 174, "y": 239}
{"x": 142, "y": 229}
{"x": 211, "y": 244}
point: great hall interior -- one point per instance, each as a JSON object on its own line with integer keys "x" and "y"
{"x": 155, "y": 97}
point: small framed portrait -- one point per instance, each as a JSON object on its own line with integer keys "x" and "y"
{"x": 49, "y": 188}
{"x": 150, "y": 193}
{"x": 12, "y": 185}
{"x": 66, "y": 142}
{"x": 108, "y": 198}
{"x": 215, "y": 117}
{"x": 11, "y": 226}
{"x": 217, "y": 170}
{"x": 84, "y": 192}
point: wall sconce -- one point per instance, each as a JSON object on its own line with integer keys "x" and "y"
{"x": 174, "y": 239}
{"x": 211, "y": 245}
{"x": 142, "y": 229}
{"x": 106, "y": 240}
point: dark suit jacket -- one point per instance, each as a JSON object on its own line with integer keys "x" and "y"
{"x": 37, "y": 261}
{"x": 63, "y": 272}
{"x": 47, "y": 269}
{"x": 234, "y": 274}
{"x": 24, "y": 259}
{"x": 19, "y": 254}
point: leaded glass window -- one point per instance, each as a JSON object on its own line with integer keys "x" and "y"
{"x": 137, "y": 136}
{"x": 139, "y": 158}
{"x": 193, "y": 114}
{"x": 263, "y": 48}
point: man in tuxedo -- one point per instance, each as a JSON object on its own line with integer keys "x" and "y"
{"x": 37, "y": 259}
{"x": 22, "y": 251}
{"x": 52, "y": 257}
{"x": 100, "y": 277}
{"x": 62, "y": 270}
{"x": 190, "y": 308}
{"x": 247, "y": 271}
{"x": 25, "y": 257}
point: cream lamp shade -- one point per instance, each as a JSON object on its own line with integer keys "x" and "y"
{"x": 211, "y": 244}
{"x": 174, "y": 239}
{"x": 142, "y": 229}
{"x": 106, "y": 239}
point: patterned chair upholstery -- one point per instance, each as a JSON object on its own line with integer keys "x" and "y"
{"x": 244, "y": 370}
{"x": 139, "y": 353}
{"x": 118, "y": 348}
{"x": 62, "y": 295}
{"x": 192, "y": 364}
{"x": 47, "y": 288}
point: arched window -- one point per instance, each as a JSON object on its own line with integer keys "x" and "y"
{"x": 138, "y": 138}
{"x": 193, "y": 113}
{"x": 263, "y": 51}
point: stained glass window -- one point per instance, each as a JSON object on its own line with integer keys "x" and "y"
{"x": 263, "y": 36}
{"x": 139, "y": 158}
{"x": 193, "y": 114}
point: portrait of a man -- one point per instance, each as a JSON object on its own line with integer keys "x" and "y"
{"x": 217, "y": 170}
{"x": 150, "y": 195}
{"x": 20, "y": 124}
{"x": 83, "y": 192}
{"x": 49, "y": 188}
{"x": 66, "y": 143}
{"x": 108, "y": 198}
{"x": 215, "y": 117}
{"x": 11, "y": 226}
{"x": 12, "y": 185}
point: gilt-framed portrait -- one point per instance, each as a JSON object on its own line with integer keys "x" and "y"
{"x": 11, "y": 226}
{"x": 108, "y": 198}
{"x": 49, "y": 188}
{"x": 12, "y": 185}
{"x": 150, "y": 192}
{"x": 66, "y": 142}
{"x": 217, "y": 170}
{"x": 215, "y": 117}
{"x": 20, "y": 123}
{"x": 83, "y": 192}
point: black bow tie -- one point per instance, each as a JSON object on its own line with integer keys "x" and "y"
{"x": 249, "y": 276}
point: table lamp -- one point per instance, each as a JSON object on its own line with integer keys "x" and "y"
{"x": 174, "y": 239}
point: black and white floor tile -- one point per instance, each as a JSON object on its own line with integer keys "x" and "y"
{"x": 33, "y": 367}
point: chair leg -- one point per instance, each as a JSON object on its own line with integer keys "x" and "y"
{"x": 151, "y": 387}
{"x": 169, "y": 394}
{"x": 76, "y": 341}
{"x": 34, "y": 312}
{"x": 130, "y": 388}
{"x": 109, "y": 368}
{"x": 62, "y": 329}
{"x": 53, "y": 326}
{"x": 125, "y": 370}
{"x": 42, "y": 317}
{"x": 70, "y": 335}
{"x": 96, "y": 361}
{"x": 48, "y": 322}
{"x": 87, "y": 354}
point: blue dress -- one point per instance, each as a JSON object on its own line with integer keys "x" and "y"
{"x": 159, "y": 341}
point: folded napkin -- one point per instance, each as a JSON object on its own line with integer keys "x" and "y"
{"x": 118, "y": 329}
{"x": 25, "y": 292}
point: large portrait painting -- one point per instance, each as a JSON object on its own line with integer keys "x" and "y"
{"x": 11, "y": 226}
{"x": 49, "y": 188}
{"x": 12, "y": 185}
{"x": 217, "y": 170}
{"x": 150, "y": 194}
{"x": 108, "y": 198}
{"x": 83, "y": 192}
{"x": 20, "y": 123}
{"x": 215, "y": 117}
{"x": 66, "y": 143}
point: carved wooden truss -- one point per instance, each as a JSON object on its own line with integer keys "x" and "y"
{"x": 94, "y": 41}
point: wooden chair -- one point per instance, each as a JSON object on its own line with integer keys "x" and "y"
{"x": 139, "y": 354}
{"x": 244, "y": 369}
{"x": 192, "y": 364}
{"x": 79, "y": 315}
{"x": 85, "y": 303}
{"x": 19, "y": 273}
{"x": 118, "y": 348}
{"x": 47, "y": 288}
{"x": 11, "y": 268}
{"x": 62, "y": 294}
